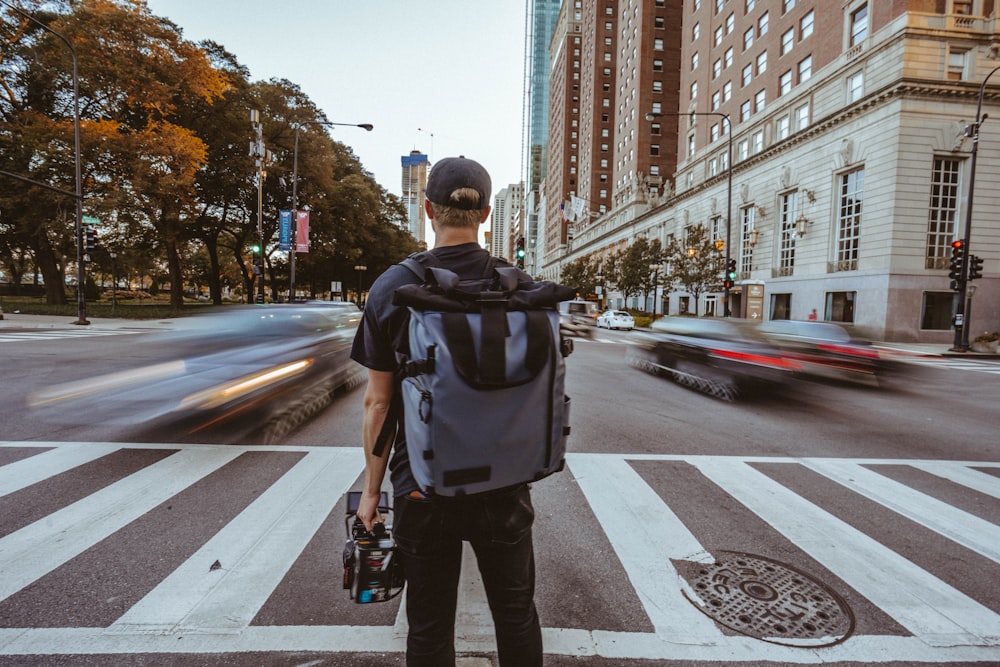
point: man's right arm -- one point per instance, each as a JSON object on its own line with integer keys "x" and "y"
{"x": 377, "y": 400}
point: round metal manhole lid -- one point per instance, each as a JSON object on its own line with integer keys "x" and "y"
{"x": 768, "y": 600}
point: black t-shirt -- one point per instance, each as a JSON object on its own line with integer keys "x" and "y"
{"x": 383, "y": 331}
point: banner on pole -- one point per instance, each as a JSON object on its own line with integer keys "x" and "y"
{"x": 284, "y": 230}
{"x": 302, "y": 231}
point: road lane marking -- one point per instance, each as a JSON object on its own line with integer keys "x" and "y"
{"x": 957, "y": 525}
{"x": 646, "y": 534}
{"x": 39, "y": 467}
{"x": 929, "y": 608}
{"x": 35, "y": 550}
{"x": 256, "y": 549}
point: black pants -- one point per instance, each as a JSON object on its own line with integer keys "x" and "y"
{"x": 429, "y": 534}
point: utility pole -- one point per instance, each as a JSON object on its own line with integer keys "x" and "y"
{"x": 262, "y": 158}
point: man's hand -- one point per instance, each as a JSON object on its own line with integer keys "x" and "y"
{"x": 368, "y": 509}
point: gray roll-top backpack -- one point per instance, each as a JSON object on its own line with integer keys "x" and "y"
{"x": 483, "y": 382}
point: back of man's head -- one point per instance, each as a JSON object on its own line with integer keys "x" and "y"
{"x": 459, "y": 182}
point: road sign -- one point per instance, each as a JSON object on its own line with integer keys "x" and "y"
{"x": 91, "y": 220}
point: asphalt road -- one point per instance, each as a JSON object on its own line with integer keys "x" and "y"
{"x": 882, "y": 504}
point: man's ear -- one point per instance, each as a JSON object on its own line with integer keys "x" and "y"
{"x": 486, "y": 214}
{"x": 428, "y": 209}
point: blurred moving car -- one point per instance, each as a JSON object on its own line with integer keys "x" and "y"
{"x": 616, "y": 319}
{"x": 827, "y": 350}
{"x": 236, "y": 375}
{"x": 723, "y": 358}
{"x": 577, "y": 318}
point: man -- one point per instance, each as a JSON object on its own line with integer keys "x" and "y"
{"x": 430, "y": 531}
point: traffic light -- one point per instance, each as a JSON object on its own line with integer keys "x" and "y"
{"x": 975, "y": 267}
{"x": 89, "y": 239}
{"x": 519, "y": 253}
{"x": 731, "y": 270}
{"x": 255, "y": 249}
{"x": 957, "y": 255}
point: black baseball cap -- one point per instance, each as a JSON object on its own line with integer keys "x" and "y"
{"x": 455, "y": 173}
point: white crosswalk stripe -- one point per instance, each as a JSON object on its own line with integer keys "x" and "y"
{"x": 978, "y": 365}
{"x": 213, "y": 609}
{"x": 9, "y": 336}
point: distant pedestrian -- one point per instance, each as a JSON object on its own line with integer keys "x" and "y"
{"x": 813, "y": 316}
{"x": 429, "y": 529}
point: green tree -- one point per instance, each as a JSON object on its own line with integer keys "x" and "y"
{"x": 694, "y": 264}
{"x": 581, "y": 274}
{"x": 629, "y": 268}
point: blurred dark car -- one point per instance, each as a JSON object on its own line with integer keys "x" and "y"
{"x": 723, "y": 358}
{"x": 236, "y": 375}
{"x": 826, "y": 350}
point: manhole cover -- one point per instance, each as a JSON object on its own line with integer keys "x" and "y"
{"x": 768, "y": 600}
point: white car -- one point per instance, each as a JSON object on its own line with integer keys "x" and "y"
{"x": 616, "y": 319}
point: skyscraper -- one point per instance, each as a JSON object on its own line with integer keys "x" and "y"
{"x": 415, "y": 166}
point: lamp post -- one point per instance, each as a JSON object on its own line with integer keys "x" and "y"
{"x": 114, "y": 282}
{"x": 77, "y": 194}
{"x": 263, "y": 157}
{"x": 655, "y": 268}
{"x": 961, "y": 342}
{"x": 293, "y": 249}
{"x": 653, "y": 115}
{"x": 360, "y": 268}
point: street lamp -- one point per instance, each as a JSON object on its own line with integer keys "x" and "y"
{"x": 360, "y": 268}
{"x": 655, "y": 268}
{"x": 81, "y": 300}
{"x": 961, "y": 342}
{"x": 293, "y": 246}
{"x": 653, "y": 115}
{"x": 114, "y": 282}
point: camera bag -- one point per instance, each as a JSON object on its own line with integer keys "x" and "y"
{"x": 483, "y": 382}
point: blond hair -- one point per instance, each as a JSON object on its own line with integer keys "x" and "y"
{"x": 449, "y": 216}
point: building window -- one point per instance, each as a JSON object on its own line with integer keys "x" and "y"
{"x": 758, "y": 101}
{"x": 849, "y": 219}
{"x": 762, "y": 25}
{"x": 762, "y": 63}
{"x": 787, "y": 5}
{"x": 942, "y": 211}
{"x": 657, "y": 86}
{"x": 694, "y": 60}
{"x": 758, "y": 141}
{"x": 937, "y": 310}
{"x": 727, "y": 91}
{"x": 839, "y": 306}
{"x": 806, "y": 25}
{"x": 957, "y": 64}
{"x": 783, "y": 127}
{"x": 730, "y": 23}
{"x": 745, "y": 111}
{"x": 654, "y": 129}
{"x": 746, "y": 249}
{"x": 713, "y": 167}
{"x": 716, "y": 98}
{"x": 781, "y": 306}
{"x": 658, "y": 44}
{"x": 694, "y": 90}
{"x": 714, "y": 132}
{"x": 785, "y": 83}
{"x": 691, "y": 146}
{"x": 657, "y": 65}
{"x": 695, "y": 32}
{"x": 802, "y": 117}
{"x": 787, "y": 41}
{"x": 748, "y": 6}
{"x": 654, "y": 149}
{"x": 728, "y": 57}
{"x": 717, "y": 39}
{"x": 743, "y": 150}
{"x": 747, "y": 74}
{"x": 716, "y": 68}
{"x": 859, "y": 25}
{"x": 657, "y": 22}
{"x": 963, "y": 7}
{"x": 786, "y": 241}
{"x": 748, "y": 38}
{"x": 855, "y": 87}
{"x": 805, "y": 69}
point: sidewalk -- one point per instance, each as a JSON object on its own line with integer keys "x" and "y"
{"x": 21, "y": 321}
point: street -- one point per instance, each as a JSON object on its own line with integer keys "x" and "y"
{"x": 865, "y": 520}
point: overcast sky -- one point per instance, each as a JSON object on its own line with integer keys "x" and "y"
{"x": 444, "y": 77}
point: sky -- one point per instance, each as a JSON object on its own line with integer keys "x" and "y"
{"x": 444, "y": 77}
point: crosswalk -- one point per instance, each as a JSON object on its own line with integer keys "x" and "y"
{"x": 17, "y": 335}
{"x": 953, "y": 363}
{"x": 195, "y": 608}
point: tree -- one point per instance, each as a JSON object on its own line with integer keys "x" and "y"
{"x": 694, "y": 263}
{"x": 581, "y": 274}
{"x": 629, "y": 268}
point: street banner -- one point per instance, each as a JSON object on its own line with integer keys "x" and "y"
{"x": 302, "y": 231}
{"x": 284, "y": 230}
